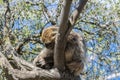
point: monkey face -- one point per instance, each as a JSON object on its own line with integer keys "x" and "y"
{"x": 50, "y": 45}
{"x": 48, "y": 36}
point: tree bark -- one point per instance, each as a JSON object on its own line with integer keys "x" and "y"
{"x": 59, "y": 57}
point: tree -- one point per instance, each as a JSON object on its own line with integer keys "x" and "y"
{"x": 99, "y": 23}
{"x": 20, "y": 69}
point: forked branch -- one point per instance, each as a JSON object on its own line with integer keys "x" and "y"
{"x": 66, "y": 26}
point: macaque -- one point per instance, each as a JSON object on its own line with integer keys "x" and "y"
{"x": 75, "y": 51}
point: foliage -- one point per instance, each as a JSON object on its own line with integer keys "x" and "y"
{"x": 99, "y": 23}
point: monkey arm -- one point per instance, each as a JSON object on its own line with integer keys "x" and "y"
{"x": 44, "y": 59}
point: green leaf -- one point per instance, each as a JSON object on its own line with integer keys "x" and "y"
{"x": 1, "y": 1}
{"x": 100, "y": 39}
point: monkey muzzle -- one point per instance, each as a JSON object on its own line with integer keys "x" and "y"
{"x": 50, "y": 45}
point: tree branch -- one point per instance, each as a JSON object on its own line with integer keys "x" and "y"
{"x": 64, "y": 30}
{"x": 58, "y": 10}
{"x": 45, "y": 10}
{"x": 26, "y": 40}
{"x": 35, "y": 73}
{"x": 61, "y": 37}
{"x": 77, "y": 11}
